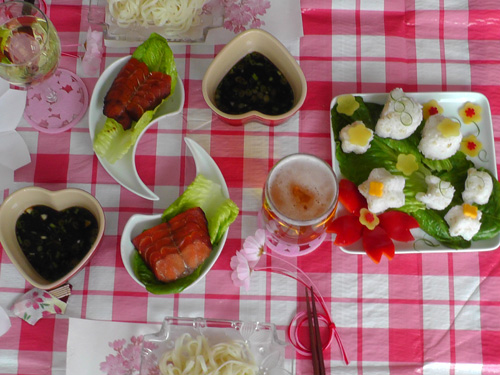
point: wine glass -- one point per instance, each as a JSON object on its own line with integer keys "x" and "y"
{"x": 29, "y": 56}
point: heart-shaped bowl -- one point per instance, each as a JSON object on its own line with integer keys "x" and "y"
{"x": 254, "y": 40}
{"x": 17, "y": 203}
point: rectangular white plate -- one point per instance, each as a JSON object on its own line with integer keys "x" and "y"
{"x": 451, "y": 103}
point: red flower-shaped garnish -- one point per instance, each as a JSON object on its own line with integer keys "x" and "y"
{"x": 376, "y": 232}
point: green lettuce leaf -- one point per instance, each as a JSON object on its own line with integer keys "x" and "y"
{"x": 220, "y": 213}
{"x": 490, "y": 221}
{"x": 157, "y": 55}
{"x": 206, "y": 194}
{"x": 383, "y": 153}
{"x": 112, "y": 142}
{"x": 432, "y": 222}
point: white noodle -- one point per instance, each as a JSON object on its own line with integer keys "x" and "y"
{"x": 177, "y": 16}
{"x": 197, "y": 357}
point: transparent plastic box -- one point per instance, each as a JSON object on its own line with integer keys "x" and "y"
{"x": 133, "y": 35}
{"x": 260, "y": 339}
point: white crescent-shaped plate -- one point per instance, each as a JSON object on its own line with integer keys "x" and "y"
{"x": 124, "y": 170}
{"x": 137, "y": 223}
{"x": 451, "y": 103}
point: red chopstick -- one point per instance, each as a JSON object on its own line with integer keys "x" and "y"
{"x": 314, "y": 335}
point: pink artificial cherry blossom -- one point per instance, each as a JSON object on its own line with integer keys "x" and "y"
{"x": 241, "y": 270}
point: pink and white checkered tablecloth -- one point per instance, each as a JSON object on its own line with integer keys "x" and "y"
{"x": 418, "y": 314}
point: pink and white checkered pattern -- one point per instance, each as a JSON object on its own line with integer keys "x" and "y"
{"x": 425, "y": 314}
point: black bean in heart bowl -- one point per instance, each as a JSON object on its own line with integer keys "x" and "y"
{"x": 50, "y": 235}
{"x": 254, "y": 78}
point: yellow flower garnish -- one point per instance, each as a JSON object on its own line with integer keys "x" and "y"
{"x": 471, "y": 146}
{"x": 449, "y": 128}
{"x": 407, "y": 163}
{"x": 359, "y": 134}
{"x": 431, "y": 108}
{"x": 347, "y": 104}
{"x": 368, "y": 218}
{"x": 470, "y": 113}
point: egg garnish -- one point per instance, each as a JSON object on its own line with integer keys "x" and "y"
{"x": 383, "y": 190}
{"x": 356, "y": 138}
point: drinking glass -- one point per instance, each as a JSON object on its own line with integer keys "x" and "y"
{"x": 29, "y": 55}
{"x": 298, "y": 202}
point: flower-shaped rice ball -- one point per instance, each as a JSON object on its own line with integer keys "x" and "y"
{"x": 356, "y": 138}
{"x": 383, "y": 190}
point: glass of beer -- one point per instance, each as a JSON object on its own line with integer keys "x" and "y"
{"x": 298, "y": 202}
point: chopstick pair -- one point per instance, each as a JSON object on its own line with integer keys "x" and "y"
{"x": 314, "y": 335}
{"x": 61, "y": 292}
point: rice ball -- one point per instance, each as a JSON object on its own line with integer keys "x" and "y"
{"x": 400, "y": 116}
{"x": 478, "y": 187}
{"x": 439, "y": 193}
{"x": 461, "y": 224}
{"x": 436, "y": 142}
{"x": 383, "y": 190}
{"x": 356, "y": 138}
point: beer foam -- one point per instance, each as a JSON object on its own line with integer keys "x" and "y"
{"x": 302, "y": 188}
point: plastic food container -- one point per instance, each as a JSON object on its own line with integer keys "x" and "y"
{"x": 134, "y": 34}
{"x": 259, "y": 339}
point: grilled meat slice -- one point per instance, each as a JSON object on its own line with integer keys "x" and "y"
{"x": 149, "y": 95}
{"x": 176, "y": 248}
{"x": 134, "y": 91}
{"x": 124, "y": 87}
